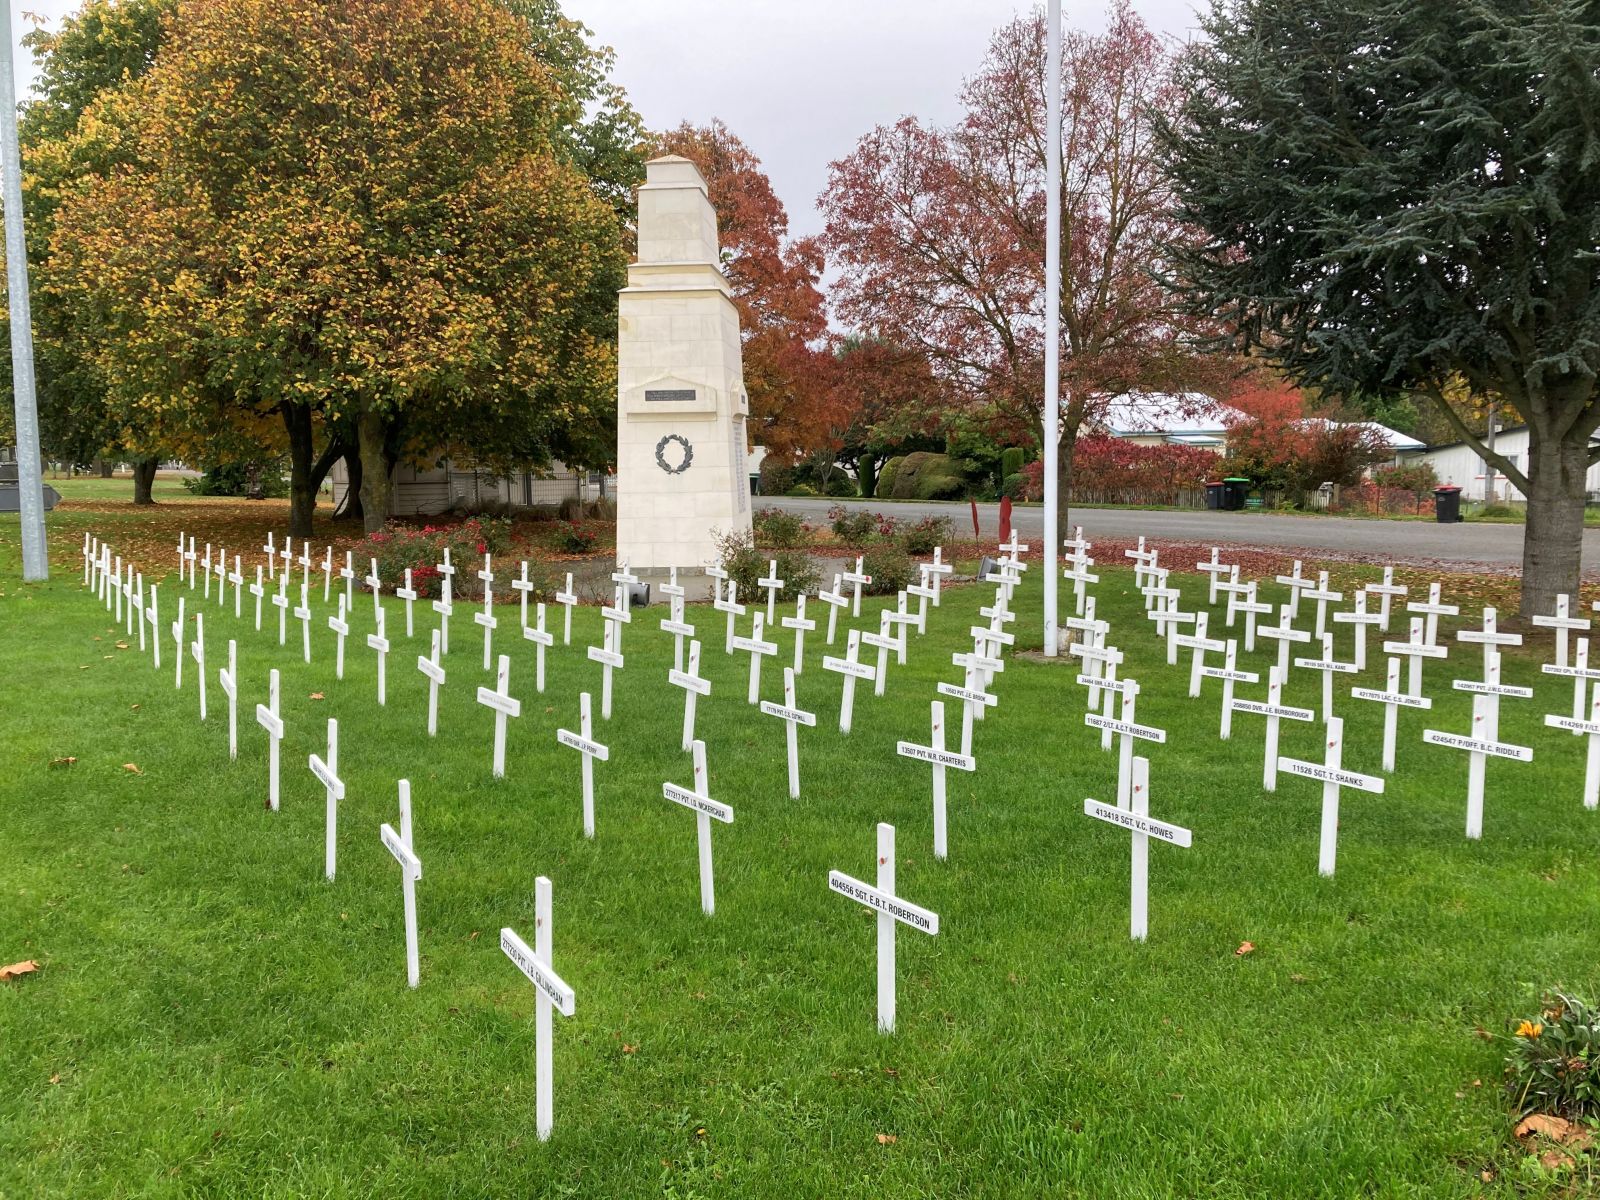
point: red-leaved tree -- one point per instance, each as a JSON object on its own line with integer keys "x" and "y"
{"x": 939, "y": 234}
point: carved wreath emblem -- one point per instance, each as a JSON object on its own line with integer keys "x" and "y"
{"x": 661, "y": 454}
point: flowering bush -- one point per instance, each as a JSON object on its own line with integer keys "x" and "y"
{"x": 774, "y": 527}
{"x": 852, "y": 526}
{"x": 746, "y": 565}
{"x": 1109, "y": 470}
{"x": 398, "y": 547}
{"x": 571, "y": 537}
{"x": 1370, "y": 497}
{"x": 890, "y": 566}
{"x": 1554, "y": 1066}
{"x": 924, "y": 535}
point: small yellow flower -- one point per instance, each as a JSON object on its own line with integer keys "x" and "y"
{"x": 1530, "y": 1029}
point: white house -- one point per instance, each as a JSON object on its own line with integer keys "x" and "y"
{"x": 1459, "y": 463}
{"x": 1154, "y": 419}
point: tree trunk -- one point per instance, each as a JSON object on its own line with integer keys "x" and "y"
{"x": 1552, "y": 541}
{"x": 302, "y": 491}
{"x": 350, "y": 508}
{"x": 105, "y": 467}
{"x": 144, "y": 480}
{"x": 1064, "y": 448}
{"x": 371, "y": 430}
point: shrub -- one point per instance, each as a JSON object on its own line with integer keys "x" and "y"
{"x": 571, "y": 537}
{"x": 924, "y": 535}
{"x": 887, "y": 474}
{"x": 570, "y": 509}
{"x": 233, "y": 479}
{"x": 926, "y": 476}
{"x": 746, "y": 565}
{"x": 801, "y": 489}
{"x": 1110, "y": 470}
{"x": 852, "y": 526}
{"x": 774, "y": 527}
{"x": 1554, "y": 1066}
{"x": 839, "y": 484}
{"x": 1015, "y": 486}
{"x": 1011, "y": 460}
{"x": 1417, "y": 478}
{"x": 890, "y": 566}
{"x": 602, "y": 508}
{"x": 397, "y": 547}
{"x": 776, "y": 476}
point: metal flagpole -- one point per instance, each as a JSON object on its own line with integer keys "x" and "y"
{"x": 30, "y": 478}
{"x": 1052, "y": 320}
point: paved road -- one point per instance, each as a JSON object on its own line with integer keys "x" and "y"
{"x": 1418, "y": 542}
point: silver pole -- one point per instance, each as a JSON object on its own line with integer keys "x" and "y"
{"x": 30, "y": 478}
{"x": 1052, "y": 320}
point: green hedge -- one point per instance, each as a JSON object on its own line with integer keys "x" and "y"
{"x": 927, "y": 476}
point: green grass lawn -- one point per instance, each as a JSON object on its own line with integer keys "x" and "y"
{"x": 212, "y": 1018}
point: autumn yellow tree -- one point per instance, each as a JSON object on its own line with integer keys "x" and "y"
{"x": 362, "y": 212}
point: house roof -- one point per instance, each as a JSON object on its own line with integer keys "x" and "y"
{"x": 1181, "y": 416}
{"x": 1396, "y": 440}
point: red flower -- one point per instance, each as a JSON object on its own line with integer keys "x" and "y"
{"x": 480, "y": 547}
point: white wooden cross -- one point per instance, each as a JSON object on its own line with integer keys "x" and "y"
{"x": 541, "y": 639}
{"x": 1199, "y": 643}
{"x": 348, "y": 574}
{"x": 1284, "y": 633}
{"x": 924, "y": 592}
{"x": 551, "y": 992}
{"x": 733, "y": 608}
{"x": 1479, "y": 745}
{"x": 674, "y": 623}
{"x": 1360, "y": 618}
{"x": 1432, "y": 610}
{"x": 1490, "y": 689}
{"x": 940, "y": 758}
{"x": 1136, "y": 819}
{"x": 617, "y": 614}
{"x": 1591, "y": 729}
{"x": 624, "y": 579}
{"x": 890, "y": 908}
{"x": 302, "y": 613}
{"x": 1100, "y": 659}
{"x": 852, "y": 668}
{"x": 566, "y": 597}
{"x": 1392, "y": 699}
{"x": 855, "y": 579}
{"x": 205, "y": 564}
{"x": 609, "y": 658}
{"x": 180, "y": 649}
{"x": 589, "y": 749}
{"x": 270, "y": 549}
{"x": 444, "y": 606}
{"x": 152, "y": 617}
{"x": 718, "y": 577}
{"x": 1416, "y": 650}
{"x": 835, "y": 600}
{"x": 1081, "y": 577}
{"x": 1014, "y": 550}
{"x": 522, "y": 585}
{"x": 408, "y": 594}
{"x": 693, "y": 686}
{"x": 800, "y": 624}
{"x": 885, "y": 642}
{"x": 1252, "y": 608}
{"x": 1579, "y": 672}
{"x": 1386, "y": 592}
{"x": 400, "y": 845}
{"x": 973, "y": 700}
{"x": 221, "y": 569}
{"x": 197, "y": 650}
{"x": 1233, "y": 589}
{"x": 280, "y": 600}
{"x": 1331, "y": 774}
{"x": 937, "y": 570}
{"x": 327, "y": 574}
{"x": 772, "y": 585}
{"x": 900, "y": 617}
{"x": 267, "y": 717}
{"x": 1324, "y": 596}
{"x": 193, "y": 559}
{"x": 379, "y": 641}
{"x": 327, "y": 772}
{"x": 375, "y": 584}
{"x": 791, "y": 716}
{"x": 1274, "y": 710}
{"x": 89, "y": 543}
{"x": 504, "y": 705}
{"x": 236, "y": 577}
{"x": 1142, "y": 561}
{"x": 305, "y": 562}
{"x": 757, "y": 648}
{"x": 1296, "y": 582}
{"x": 1127, "y": 730}
{"x": 1212, "y": 567}
{"x": 1230, "y": 674}
{"x": 430, "y": 666}
{"x": 486, "y": 617}
{"x": 258, "y": 590}
{"x": 1563, "y": 623}
{"x": 1329, "y": 667}
{"x": 138, "y": 607}
{"x": 1490, "y": 637}
{"x": 1167, "y": 617}
{"x": 341, "y": 630}
{"x": 228, "y": 677}
{"x": 698, "y": 800}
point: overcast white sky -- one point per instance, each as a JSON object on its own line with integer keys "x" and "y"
{"x": 799, "y": 82}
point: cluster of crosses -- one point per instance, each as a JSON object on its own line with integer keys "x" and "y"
{"x": 1308, "y": 617}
